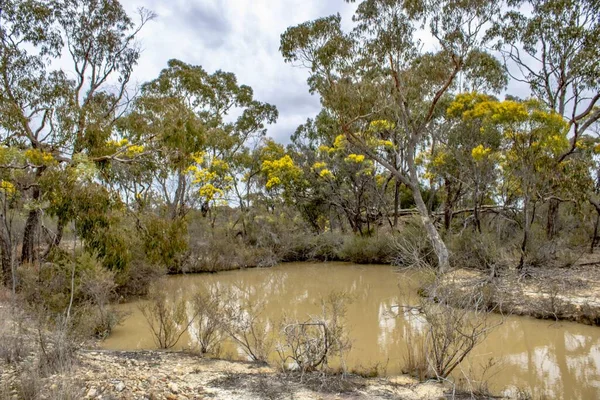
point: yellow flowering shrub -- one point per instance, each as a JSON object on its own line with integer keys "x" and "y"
{"x": 280, "y": 171}
{"x": 325, "y": 173}
{"x": 7, "y": 188}
{"x": 480, "y": 152}
{"x": 355, "y": 158}
{"x": 38, "y": 157}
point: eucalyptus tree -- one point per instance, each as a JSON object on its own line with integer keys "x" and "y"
{"x": 379, "y": 80}
{"x": 553, "y": 47}
{"x": 188, "y": 115}
{"x": 341, "y": 181}
{"x": 59, "y": 117}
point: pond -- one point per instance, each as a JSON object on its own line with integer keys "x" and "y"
{"x": 545, "y": 358}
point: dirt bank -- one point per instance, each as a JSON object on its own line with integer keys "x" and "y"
{"x": 571, "y": 294}
{"x": 162, "y": 375}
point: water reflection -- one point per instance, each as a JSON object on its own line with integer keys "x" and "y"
{"x": 556, "y": 360}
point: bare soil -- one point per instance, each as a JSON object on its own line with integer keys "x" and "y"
{"x": 571, "y": 294}
{"x": 168, "y": 375}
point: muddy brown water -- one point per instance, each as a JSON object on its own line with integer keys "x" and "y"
{"x": 546, "y": 359}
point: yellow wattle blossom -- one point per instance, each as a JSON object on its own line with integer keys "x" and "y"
{"x": 204, "y": 175}
{"x": 117, "y": 143}
{"x": 597, "y": 149}
{"x": 440, "y": 159}
{"x": 283, "y": 163}
{"x": 198, "y": 157}
{"x": 388, "y": 144}
{"x": 381, "y": 125}
{"x": 220, "y": 165}
{"x": 479, "y": 153}
{"x": 134, "y": 150}
{"x": 209, "y": 192}
{"x": 557, "y": 143}
{"x": 356, "y": 158}
{"x": 273, "y": 182}
{"x": 326, "y": 149}
{"x": 319, "y": 165}
{"x": 280, "y": 171}
{"x": 465, "y": 101}
{"x": 38, "y": 157}
{"x": 7, "y": 187}
{"x": 339, "y": 142}
{"x": 325, "y": 173}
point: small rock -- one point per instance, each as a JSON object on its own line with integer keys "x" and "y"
{"x": 173, "y": 387}
{"x": 119, "y": 387}
{"x": 92, "y": 393}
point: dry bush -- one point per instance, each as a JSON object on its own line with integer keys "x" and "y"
{"x": 454, "y": 330}
{"x": 310, "y": 344}
{"x": 455, "y": 323}
{"x": 248, "y": 328}
{"x": 470, "y": 249}
{"x": 412, "y": 248}
{"x": 97, "y": 286}
{"x": 14, "y": 346}
{"x": 167, "y": 319}
{"x": 306, "y": 344}
{"x": 415, "y": 360}
{"x": 477, "y": 384}
{"x": 30, "y": 384}
{"x": 209, "y": 307}
{"x": 58, "y": 339}
{"x": 326, "y": 247}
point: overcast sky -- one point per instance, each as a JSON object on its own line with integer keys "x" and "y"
{"x": 242, "y": 36}
{"x": 239, "y": 36}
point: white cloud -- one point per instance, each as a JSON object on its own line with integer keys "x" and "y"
{"x": 239, "y": 36}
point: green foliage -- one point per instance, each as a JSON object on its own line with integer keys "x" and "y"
{"x": 367, "y": 250}
{"x": 165, "y": 242}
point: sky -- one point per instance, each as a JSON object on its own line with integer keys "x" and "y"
{"x": 239, "y": 36}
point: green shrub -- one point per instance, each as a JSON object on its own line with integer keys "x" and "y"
{"x": 165, "y": 241}
{"x": 471, "y": 249}
{"x": 368, "y": 250}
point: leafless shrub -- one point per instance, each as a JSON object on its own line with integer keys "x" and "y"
{"x": 209, "y": 307}
{"x": 306, "y": 344}
{"x": 58, "y": 340}
{"x": 13, "y": 345}
{"x": 454, "y": 323}
{"x": 415, "y": 360}
{"x": 412, "y": 249}
{"x": 454, "y": 329}
{"x": 167, "y": 319}
{"x": 248, "y": 328}
{"x": 551, "y": 303}
{"x": 31, "y": 384}
{"x": 310, "y": 344}
{"x": 477, "y": 384}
